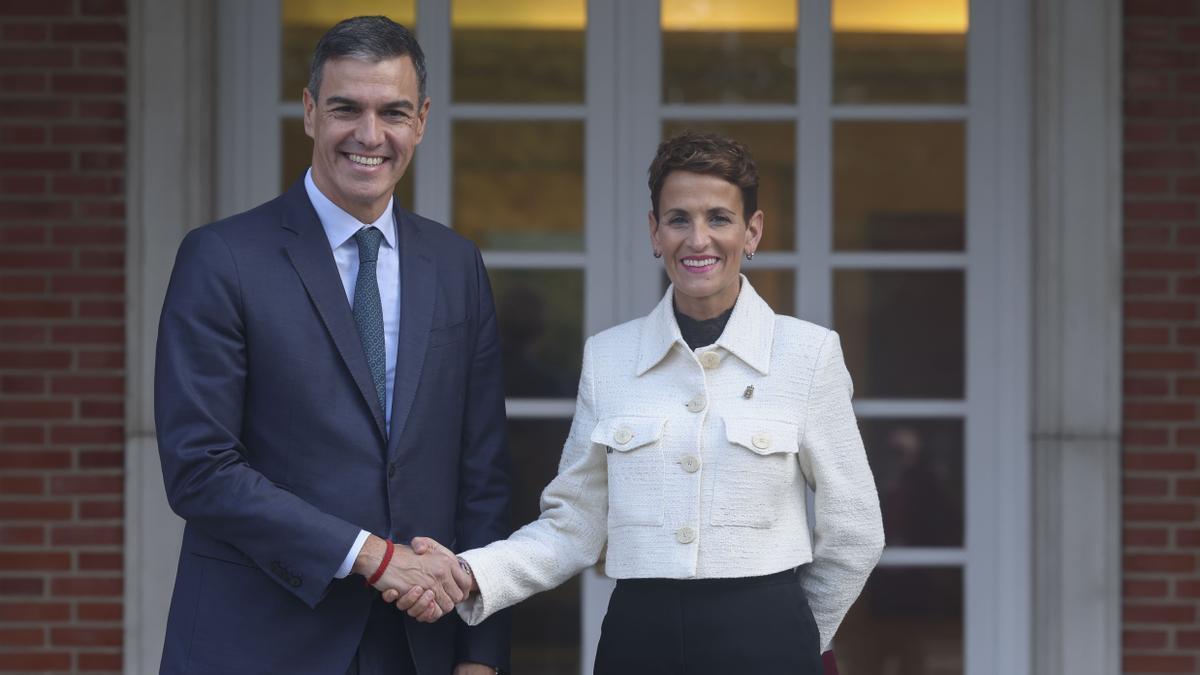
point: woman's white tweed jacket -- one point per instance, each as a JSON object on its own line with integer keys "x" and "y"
{"x": 693, "y": 465}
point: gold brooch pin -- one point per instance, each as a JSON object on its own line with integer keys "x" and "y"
{"x": 749, "y": 392}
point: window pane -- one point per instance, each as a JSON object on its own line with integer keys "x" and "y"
{"x": 902, "y": 332}
{"x": 518, "y": 51}
{"x": 540, "y": 313}
{"x": 777, "y": 287}
{"x": 908, "y": 621}
{"x": 773, "y": 145}
{"x": 297, "y": 156}
{"x": 899, "y": 51}
{"x": 727, "y": 51}
{"x": 519, "y": 185}
{"x": 305, "y": 21}
{"x": 546, "y": 632}
{"x": 918, "y": 467}
{"x": 899, "y": 186}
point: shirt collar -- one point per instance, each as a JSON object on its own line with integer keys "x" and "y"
{"x": 748, "y": 335}
{"x": 340, "y": 226}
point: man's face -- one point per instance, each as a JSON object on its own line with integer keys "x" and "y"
{"x": 364, "y": 130}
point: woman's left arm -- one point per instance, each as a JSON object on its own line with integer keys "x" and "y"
{"x": 848, "y": 535}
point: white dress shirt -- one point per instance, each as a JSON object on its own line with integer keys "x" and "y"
{"x": 340, "y": 228}
{"x": 693, "y": 464}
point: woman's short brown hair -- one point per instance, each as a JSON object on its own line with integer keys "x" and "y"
{"x": 709, "y": 154}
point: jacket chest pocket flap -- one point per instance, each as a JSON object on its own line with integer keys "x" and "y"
{"x": 635, "y": 468}
{"x": 757, "y": 474}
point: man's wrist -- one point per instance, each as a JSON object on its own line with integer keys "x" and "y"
{"x": 369, "y": 556}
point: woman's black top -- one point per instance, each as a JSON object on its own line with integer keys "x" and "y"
{"x": 701, "y": 332}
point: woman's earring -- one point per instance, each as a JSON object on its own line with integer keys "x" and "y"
{"x": 658, "y": 254}
{"x": 749, "y": 255}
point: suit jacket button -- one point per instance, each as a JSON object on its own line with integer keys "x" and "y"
{"x": 391, "y": 469}
{"x": 295, "y": 582}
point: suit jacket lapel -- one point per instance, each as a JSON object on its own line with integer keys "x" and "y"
{"x": 418, "y": 284}
{"x": 310, "y": 255}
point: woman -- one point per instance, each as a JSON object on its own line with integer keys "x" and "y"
{"x": 696, "y": 429}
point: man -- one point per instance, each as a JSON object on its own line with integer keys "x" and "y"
{"x": 328, "y": 381}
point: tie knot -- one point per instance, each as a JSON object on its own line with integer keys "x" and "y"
{"x": 368, "y": 240}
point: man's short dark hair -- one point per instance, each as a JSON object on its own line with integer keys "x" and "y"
{"x": 369, "y": 38}
{"x": 708, "y": 154}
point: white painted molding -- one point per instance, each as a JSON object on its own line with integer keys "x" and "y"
{"x": 245, "y": 77}
{"x": 1077, "y": 337}
{"x": 168, "y": 190}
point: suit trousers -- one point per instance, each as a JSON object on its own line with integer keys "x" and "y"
{"x": 384, "y": 646}
{"x": 755, "y": 625}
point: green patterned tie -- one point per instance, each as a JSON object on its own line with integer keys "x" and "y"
{"x": 368, "y": 310}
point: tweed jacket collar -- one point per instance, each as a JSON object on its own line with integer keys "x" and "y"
{"x": 748, "y": 335}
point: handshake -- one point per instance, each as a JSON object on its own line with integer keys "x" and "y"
{"x": 425, "y": 579}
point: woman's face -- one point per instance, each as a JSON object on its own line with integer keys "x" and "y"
{"x": 702, "y": 235}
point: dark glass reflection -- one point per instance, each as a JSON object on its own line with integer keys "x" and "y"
{"x": 902, "y": 331}
{"x": 303, "y": 22}
{"x": 519, "y": 185}
{"x": 899, "y": 51}
{"x": 777, "y": 287}
{"x": 518, "y": 65}
{"x": 908, "y": 621}
{"x": 728, "y": 51}
{"x": 773, "y": 145}
{"x": 297, "y": 156}
{"x": 918, "y": 467}
{"x": 899, "y": 186}
{"x": 546, "y": 631}
{"x": 879, "y": 67}
{"x": 540, "y": 315}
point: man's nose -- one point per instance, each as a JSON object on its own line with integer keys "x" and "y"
{"x": 368, "y": 132}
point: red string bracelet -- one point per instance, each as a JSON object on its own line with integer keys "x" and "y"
{"x": 387, "y": 557}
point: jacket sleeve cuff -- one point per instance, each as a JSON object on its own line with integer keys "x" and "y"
{"x": 476, "y": 608}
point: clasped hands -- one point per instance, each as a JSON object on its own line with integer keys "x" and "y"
{"x": 424, "y": 579}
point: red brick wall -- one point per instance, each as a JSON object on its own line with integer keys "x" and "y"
{"x": 1162, "y": 337}
{"x": 62, "y": 305}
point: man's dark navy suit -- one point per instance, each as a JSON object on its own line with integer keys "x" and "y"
{"x": 274, "y": 448}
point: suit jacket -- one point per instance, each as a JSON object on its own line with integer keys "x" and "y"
{"x": 693, "y": 464}
{"x": 274, "y": 449}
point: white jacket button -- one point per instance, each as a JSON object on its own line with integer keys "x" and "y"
{"x": 623, "y": 436}
{"x": 696, "y": 405}
{"x": 690, "y": 464}
{"x": 761, "y": 441}
{"x": 685, "y": 535}
{"x": 710, "y": 360}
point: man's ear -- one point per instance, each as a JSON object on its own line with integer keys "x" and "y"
{"x": 422, "y": 118}
{"x": 310, "y": 113}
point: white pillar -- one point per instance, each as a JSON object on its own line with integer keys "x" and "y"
{"x": 168, "y": 190}
{"x": 1077, "y": 340}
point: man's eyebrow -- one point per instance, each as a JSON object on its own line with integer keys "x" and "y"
{"x": 390, "y": 105}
